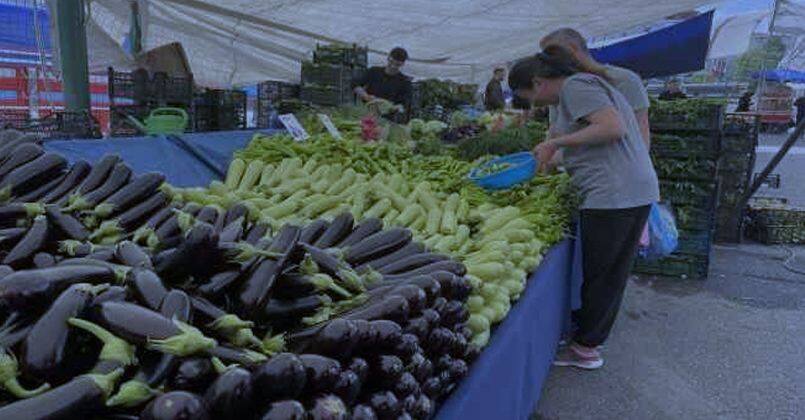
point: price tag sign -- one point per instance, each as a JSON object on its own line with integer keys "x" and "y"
{"x": 328, "y": 124}
{"x": 293, "y": 126}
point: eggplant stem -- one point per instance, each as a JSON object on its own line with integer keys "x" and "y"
{"x": 325, "y": 282}
{"x": 106, "y": 382}
{"x": 273, "y": 344}
{"x": 8, "y": 377}
{"x": 104, "y": 210}
{"x": 229, "y": 322}
{"x": 308, "y": 266}
{"x": 114, "y": 348}
{"x": 141, "y": 233}
{"x": 190, "y": 341}
{"x": 244, "y": 337}
{"x": 220, "y": 367}
{"x": 34, "y": 209}
{"x": 322, "y": 315}
{"x": 351, "y": 280}
{"x": 132, "y": 394}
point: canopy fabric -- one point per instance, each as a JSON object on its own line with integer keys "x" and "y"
{"x": 245, "y": 41}
{"x": 675, "y": 49}
{"x": 781, "y": 75}
{"x": 731, "y": 37}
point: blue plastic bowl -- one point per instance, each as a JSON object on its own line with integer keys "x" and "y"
{"x": 523, "y": 167}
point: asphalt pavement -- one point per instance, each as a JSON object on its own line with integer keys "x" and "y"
{"x": 728, "y": 347}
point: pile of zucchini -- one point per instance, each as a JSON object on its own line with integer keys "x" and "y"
{"x": 117, "y": 302}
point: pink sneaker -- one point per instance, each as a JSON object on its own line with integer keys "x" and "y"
{"x": 582, "y": 358}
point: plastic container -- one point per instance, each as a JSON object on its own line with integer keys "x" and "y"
{"x": 523, "y": 168}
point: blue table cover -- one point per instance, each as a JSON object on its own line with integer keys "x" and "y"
{"x": 506, "y": 380}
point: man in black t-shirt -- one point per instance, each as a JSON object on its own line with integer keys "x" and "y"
{"x": 386, "y": 82}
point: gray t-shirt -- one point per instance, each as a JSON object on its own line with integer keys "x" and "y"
{"x": 613, "y": 175}
{"x": 628, "y": 83}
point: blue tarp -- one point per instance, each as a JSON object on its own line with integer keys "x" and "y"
{"x": 679, "y": 48}
{"x": 18, "y": 34}
{"x": 506, "y": 380}
{"x": 781, "y": 75}
{"x": 163, "y": 154}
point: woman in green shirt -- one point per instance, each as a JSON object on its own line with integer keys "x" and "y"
{"x": 603, "y": 150}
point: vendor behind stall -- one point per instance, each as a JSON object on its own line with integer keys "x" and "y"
{"x": 386, "y": 82}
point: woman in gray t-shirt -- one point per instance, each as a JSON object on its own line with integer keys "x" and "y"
{"x": 610, "y": 166}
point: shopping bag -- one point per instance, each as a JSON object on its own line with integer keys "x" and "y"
{"x": 663, "y": 236}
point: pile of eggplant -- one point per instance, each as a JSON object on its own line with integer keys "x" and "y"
{"x": 116, "y": 302}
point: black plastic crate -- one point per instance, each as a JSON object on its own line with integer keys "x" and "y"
{"x": 742, "y": 125}
{"x": 140, "y": 88}
{"x": 688, "y": 193}
{"x": 710, "y": 118}
{"x": 675, "y": 146}
{"x": 737, "y": 162}
{"x": 327, "y": 96}
{"x": 689, "y": 168}
{"x": 352, "y": 55}
{"x": 14, "y": 118}
{"x": 119, "y": 124}
{"x": 777, "y": 234}
{"x": 65, "y": 125}
{"x": 218, "y": 109}
{"x": 275, "y": 91}
{"x": 695, "y": 267}
{"x": 326, "y": 74}
{"x": 171, "y": 90}
{"x": 730, "y": 225}
{"x": 694, "y": 218}
{"x": 695, "y": 242}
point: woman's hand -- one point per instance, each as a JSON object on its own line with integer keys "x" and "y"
{"x": 544, "y": 153}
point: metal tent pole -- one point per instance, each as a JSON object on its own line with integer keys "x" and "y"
{"x": 70, "y": 20}
{"x": 789, "y": 143}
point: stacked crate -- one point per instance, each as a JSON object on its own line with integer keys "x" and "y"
{"x": 271, "y": 98}
{"x": 219, "y": 110}
{"x": 773, "y": 221}
{"x": 736, "y": 165}
{"x": 137, "y": 93}
{"x": 685, "y": 150}
{"x": 327, "y": 80}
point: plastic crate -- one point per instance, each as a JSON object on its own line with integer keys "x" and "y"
{"x": 784, "y": 216}
{"x": 730, "y": 225}
{"x": 218, "y": 109}
{"x": 695, "y": 267}
{"x": 694, "y": 218}
{"x": 65, "y": 125}
{"x": 694, "y": 242}
{"x": 342, "y": 55}
{"x": 128, "y": 88}
{"x": 692, "y": 194}
{"x": 171, "y": 91}
{"x": 119, "y": 125}
{"x": 326, "y": 74}
{"x": 689, "y": 168}
{"x": 777, "y": 234}
{"x": 327, "y": 96}
{"x": 673, "y": 146}
{"x": 13, "y": 118}
{"x": 710, "y": 119}
{"x": 737, "y": 162}
{"x": 275, "y": 91}
{"x": 742, "y": 125}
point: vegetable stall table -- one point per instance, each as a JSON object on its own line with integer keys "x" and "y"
{"x": 505, "y": 381}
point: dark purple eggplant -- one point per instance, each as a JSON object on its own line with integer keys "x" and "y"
{"x": 385, "y": 405}
{"x": 454, "y": 286}
{"x": 313, "y": 231}
{"x": 176, "y": 305}
{"x": 443, "y": 362}
{"x": 112, "y": 294}
{"x": 328, "y": 407}
{"x": 70, "y": 182}
{"x": 255, "y": 293}
{"x": 278, "y": 311}
{"x": 116, "y": 354}
{"x": 241, "y": 356}
{"x": 32, "y": 288}
{"x": 21, "y": 155}
{"x": 224, "y": 325}
{"x": 33, "y": 241}
{"x": 377, "y": 245}
{"x": 336, "y": 339}
{"x": 451, "y": 266}
{"x": 412, "y": 262}
{"x": 37, "y": 193}
{"x": 9, "y": 237}
{"x": 142, "y": 326}
{"x": 406, "y": 385}
{"x": 283, "y": 377}
{"x": 363, "y": 230}
{"x": 230, "y": 395}
{"x": 409, "y": 402}
{"x": 64, "y": 223}
{"x": 130, "y": 254}
{"x": 235, "y": 212}
{"x": 82, "y": 395}
{"x": 285, "y": 410}
{"x": 407, "y": 346}
{"x": 148, "y": 288}
{"x": 439, "y": 341}
{"x": 418, "y": 327}
{"x": 16, "y": 215}
{"x": 45, "y": 353}
{"x": 31, "y": 175}
{"x": 336, "y": 231}
{"x": 472, "y": 353}
{"x": 423, "y": 409}
{"x": 98, "y": 174}
{"x": 137, "y": 214}
{"x": 193, "y": 375}
{"x": 421, "y": 367}
{"x": 258, "y": 231}
{"x": 12, "y": 140}
{"x": 106, "y": 254}
{"x": 194, "y": 256}
{"x": 454, "y": 313}
{"x": 116, "y": 180}
{"x": 76, "y": 249}
{"x": 384, "y": 334}
{"x": 439, "y": 304}
{"x": 360, "y": 367}
{"x": 348, "y": 386}
{"x": 385, "y": 371}
{"x": 232, "y": 232}
{"x": 363, "y": 412}
{"x": 44, "y": 260}
{"x": 322, "y": 372}
{"x": 5, "y": 270}
{"x": 459, "y": 347}
{"x": 175, "y": 405}
{"x": 432, "y": 387}
{"x": 207, "y": 214}
{"x": 393, "y": 308}
{"x": 458, "y": 370}
{"x": 408, "y": 250}
{"x": 220, "y": 282}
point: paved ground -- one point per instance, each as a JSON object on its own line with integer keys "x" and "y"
{"x": 730, "y": 347}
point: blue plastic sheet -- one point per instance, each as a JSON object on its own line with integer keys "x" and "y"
{"x": 506, "y": 380}
{"x": 679, "y": 48}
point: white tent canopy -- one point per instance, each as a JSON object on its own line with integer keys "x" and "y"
{"x": 243, "y": 41}
{"x": 732, "y": 36}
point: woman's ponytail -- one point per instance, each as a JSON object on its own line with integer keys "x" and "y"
{"x": 562, "y": 55}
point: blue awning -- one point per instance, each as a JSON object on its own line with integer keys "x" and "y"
{"x": 781, "y": 75}
{"x": 679, "y": 48}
